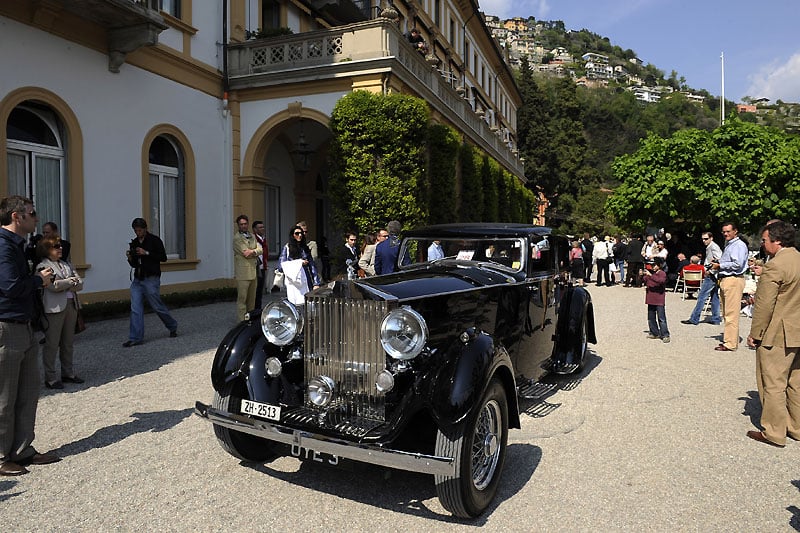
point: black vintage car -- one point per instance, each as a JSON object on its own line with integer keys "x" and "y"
{"x": 419, "y": 370}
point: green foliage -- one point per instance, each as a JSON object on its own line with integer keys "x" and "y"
{"x": 471, "y": 204}
{"x": 489, "y": 180}
{"x": 377, "y": 159}
{"x": 119, "y": 308}
{"x": 696, "y": 179}
{"x": 443, "y": 146}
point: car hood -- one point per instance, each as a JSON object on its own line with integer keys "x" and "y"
{"x": 427, "y": 280}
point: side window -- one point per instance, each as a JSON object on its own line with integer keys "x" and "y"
{"x": 541, "y": 256}
{"x": 168, "y": 195}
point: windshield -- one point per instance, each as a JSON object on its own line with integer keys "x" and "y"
{"x": 501, "y": 251}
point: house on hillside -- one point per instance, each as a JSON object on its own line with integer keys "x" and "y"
{"x": 193, "y": 113}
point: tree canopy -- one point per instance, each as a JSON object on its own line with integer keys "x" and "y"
{"x": 697, "y": 179}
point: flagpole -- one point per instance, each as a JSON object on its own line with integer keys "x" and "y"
{"x": 722, "y": 100}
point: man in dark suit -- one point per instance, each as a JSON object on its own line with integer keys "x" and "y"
{"x": 387, "y": 251}
{"x": 775, "y": 334}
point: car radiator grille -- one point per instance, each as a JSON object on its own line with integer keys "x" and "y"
{"x": 342, "y": 341}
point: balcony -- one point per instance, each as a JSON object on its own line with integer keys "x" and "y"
{"x": 371, "y": 47}
{"x": 130, "y": 24}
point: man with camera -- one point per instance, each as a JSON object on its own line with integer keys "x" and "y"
{"x": 145, "y": 254}
{"x": 19, "y": 353}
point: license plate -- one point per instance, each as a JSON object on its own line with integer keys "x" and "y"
{"x": 261, "y": 410}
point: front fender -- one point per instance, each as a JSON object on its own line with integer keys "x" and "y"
{"x": 463, "y": 380}
{"x": 233, "y": 353}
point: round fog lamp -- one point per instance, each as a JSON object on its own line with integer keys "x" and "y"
{"x": 274, "y": 367}
{"x": 384, "y": 381}
{"x": 320, "y": 390}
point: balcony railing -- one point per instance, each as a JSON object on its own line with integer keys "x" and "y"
{"x": 373, "y": 46}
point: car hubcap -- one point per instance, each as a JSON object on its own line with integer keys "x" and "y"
{"x": 486, "y": 445}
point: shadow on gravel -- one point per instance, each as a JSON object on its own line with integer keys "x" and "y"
{"x": 540, "y": 407}
{"x": 5, "y": 490}
{"x": 752, "y": 407}
{"x": 794, "y": 521}
{"x": 143, "y": 422}
{"x": 403, "y": 492}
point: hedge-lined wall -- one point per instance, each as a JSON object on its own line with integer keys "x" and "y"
{"x": 388, "y": 162}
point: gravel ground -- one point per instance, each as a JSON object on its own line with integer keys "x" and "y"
{"x": 650, "y": 436}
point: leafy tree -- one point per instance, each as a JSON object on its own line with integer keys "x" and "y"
{"x": 443, "y": 146}
{"x": 378, "y": 159}
{"x": 489, "y": 190}
{"x": 471, "y": 204}
{"x": 695, "y": 179}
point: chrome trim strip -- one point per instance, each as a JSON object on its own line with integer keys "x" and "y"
{"x": 365, "y": 453}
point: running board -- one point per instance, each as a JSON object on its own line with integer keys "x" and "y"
{"x": 534, "y": 390}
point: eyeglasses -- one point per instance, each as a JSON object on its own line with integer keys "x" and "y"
{"x": 32, "y": 213}
{"x": 298, "y": 232}
{"x": 706, "y": 239}
{"x": 57, "y": 246}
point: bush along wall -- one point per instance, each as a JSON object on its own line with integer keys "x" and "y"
{"x": 443, "y": 147}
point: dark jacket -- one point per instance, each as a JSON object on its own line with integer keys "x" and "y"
{"x": 634, "y": 254}
{"x": 386, "y": 255}
{"x": 149, "y": 265}
{"x": 656, "y": 284}
{"x": 18, "y": 285}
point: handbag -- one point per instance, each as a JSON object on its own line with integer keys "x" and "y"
{"x": 612, "y": 267}
{"x": 80, "y": 324}
{"x": 278, "y": 281}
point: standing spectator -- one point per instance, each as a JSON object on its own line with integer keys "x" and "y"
{"x": 350, "y": 256}
{"x": 312, "y": 246}
{"x": 61, "y": 307}
{"x": 259, "y": 230}
{"x": 655, "y": 281}
{"x": 587, "y": 246}
{"x": 48, "y": 230}
{"x": 601, "y": 253}
{"x": 620, "y": 251}
{"x": 730, "y": 269}
{"x": 649, "y": 251}
{"x": 19, "y": 363}
{"x": 366, "y": 261}
{"x": 387, "y": 251}
{"x": 145, "y": 254}
{"x": 576, "y": 263}
{"x": 635, "y": 262}
{"x": 435, "y": 251}
{"x": 298, "y": 267}
{"x": 775, "y": 335}
{"x": 245, "y": 262}
{"x": 417, "y": 41}
{"x": 709, "y": 287}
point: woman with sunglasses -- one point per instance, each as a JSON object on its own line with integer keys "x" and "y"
{"x": 297, "y": 250}
{"x": 61, "y": 309}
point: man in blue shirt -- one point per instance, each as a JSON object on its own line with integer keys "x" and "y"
{"x": 730, "y": 269}
{"x": 19, "y": 353}
{"x": 435, "y": 251}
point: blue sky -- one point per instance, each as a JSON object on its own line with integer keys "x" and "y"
{"x": 760, "y": 40}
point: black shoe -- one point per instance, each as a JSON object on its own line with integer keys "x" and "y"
{"x": 173, "y": 334}
{"x": 688, "y": 322}
{"x": 54, "y": 385}
{"x": 73, "y": 379}
{"x": 128, "y": 344}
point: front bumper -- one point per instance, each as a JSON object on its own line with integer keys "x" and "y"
{"x": 365, "y": 453}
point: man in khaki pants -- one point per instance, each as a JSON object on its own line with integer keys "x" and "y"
{"x": 730, "y": 269}
{"x": 245, "y": 262}
{"x": 775, "y": 334}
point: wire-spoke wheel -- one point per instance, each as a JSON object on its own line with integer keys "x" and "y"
{"x": 479, "y": 450}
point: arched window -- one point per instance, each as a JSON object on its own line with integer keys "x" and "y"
{"x": 36, "y": 161}
{"x": 167, "y": 214}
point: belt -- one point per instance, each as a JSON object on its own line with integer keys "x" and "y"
{"x": 732, "y": 276}
{"x": 15, "y": 321}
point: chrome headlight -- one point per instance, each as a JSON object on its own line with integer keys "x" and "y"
{"x": 403, "y": 333}
{"x": 320, "y": 390}
{"x": 281, "y": 322}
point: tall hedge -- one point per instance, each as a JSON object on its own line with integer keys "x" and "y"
{"x": 443, "y": 145}
{"x": 471, "y": 198}
{"x": 377, "y": 159}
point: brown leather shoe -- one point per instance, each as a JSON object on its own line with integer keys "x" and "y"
{"x": 12, "y": 469}
{"x": 723, "y": 348}
{"x": 757, "y": 435}
{"x": 40, "y": 459}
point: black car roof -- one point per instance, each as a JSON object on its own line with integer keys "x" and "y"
{"x": 477, "y": 229}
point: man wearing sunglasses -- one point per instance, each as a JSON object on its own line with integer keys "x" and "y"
{"x": 19, "y": 353}
{"x": 709, "y": 287}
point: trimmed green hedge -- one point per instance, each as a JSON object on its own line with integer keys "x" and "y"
{"x": 120, "y": 308}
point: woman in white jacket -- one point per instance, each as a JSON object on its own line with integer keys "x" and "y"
{"x": 61, "y": 309}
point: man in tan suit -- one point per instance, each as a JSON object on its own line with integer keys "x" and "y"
{"x": 245, "y": 263}
{"x": 775, "y": 334}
